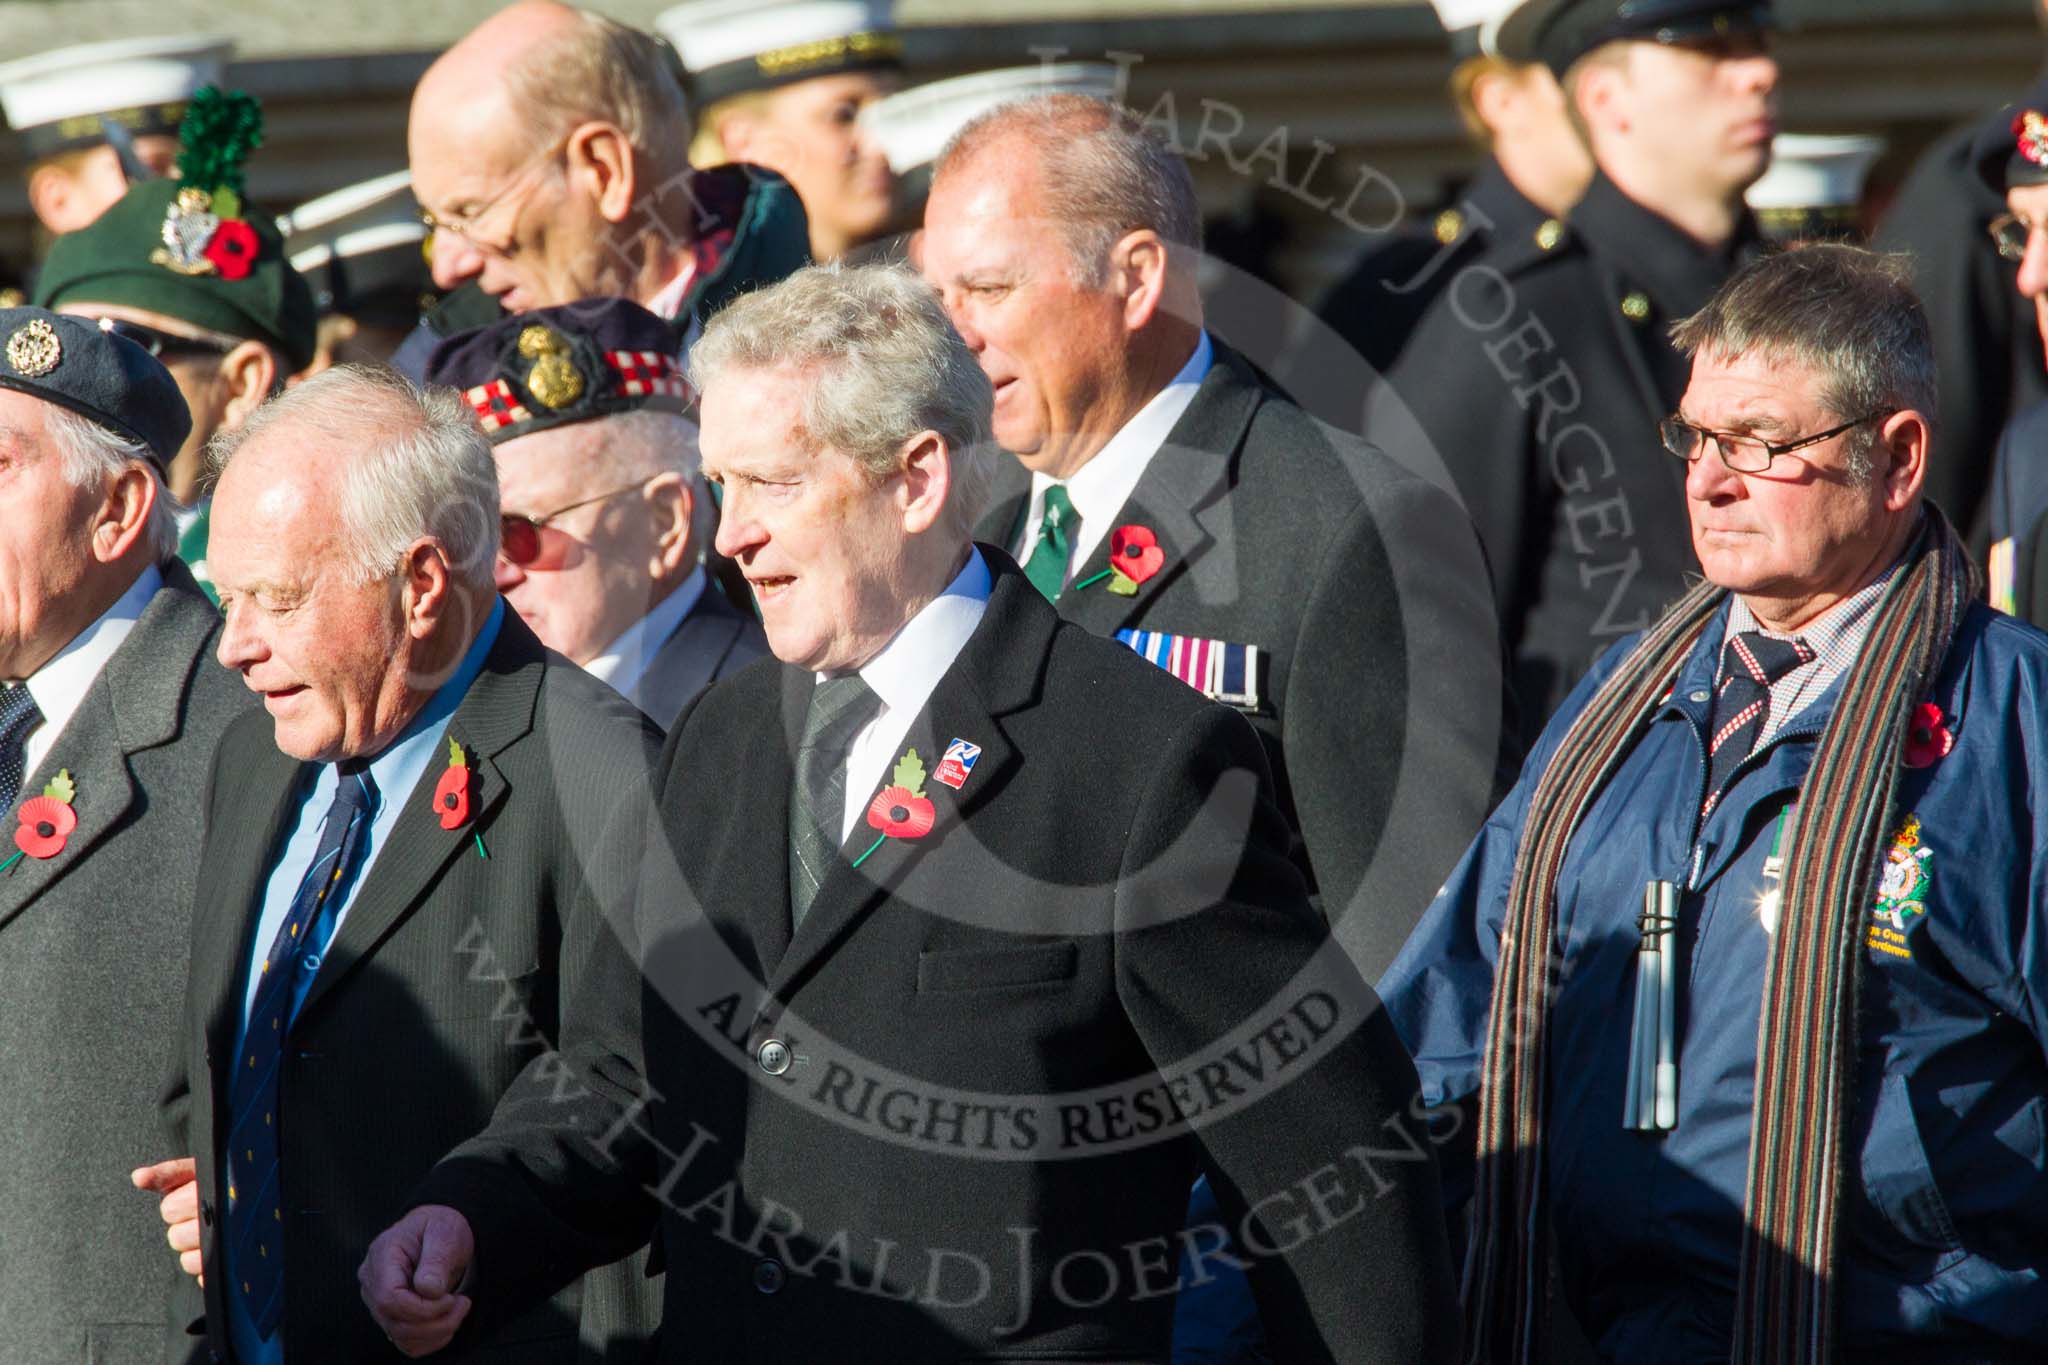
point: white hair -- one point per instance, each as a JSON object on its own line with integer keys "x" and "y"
{"x": 886, "y": 364}
{"x": 93, "y": 454}
{"x": 417, "y": 465}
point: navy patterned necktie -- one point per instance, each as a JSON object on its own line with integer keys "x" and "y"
{"x": 18, "y": 715}
{"x": 1750, "y": 662}
{"x": 255, "y": 1201}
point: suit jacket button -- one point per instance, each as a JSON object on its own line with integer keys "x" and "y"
{"x": 774, "y": 1059}
{"x": 205, "y": 1213}
{"x": 769, "y": 1277}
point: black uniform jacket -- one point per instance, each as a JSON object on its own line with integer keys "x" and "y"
{"x": 1538, "y": 378}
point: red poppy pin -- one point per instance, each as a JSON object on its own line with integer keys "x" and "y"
{"x": 901, "y": 810}
{"x": 451, "y": 793}
{"x": 1134, "y": 556}
{"x": 1928, "y": 736}
{"x": 46, "y": 820}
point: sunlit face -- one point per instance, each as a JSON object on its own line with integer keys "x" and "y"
{"x": 1707, "y": 110}
{"x": 593, "y": 577}
{"x": 810, "y": 133}
{"x": 45, "y": 553}
{"x": 2029, "y": 204}
{"x": 506, "y": 215}
{"x": 822, "y": 543}
{"x": 1049, "y": 345}
{"x": 1804, "y": 527}
{"x": 328, "y": 655}
{"x": 95, "y": 181}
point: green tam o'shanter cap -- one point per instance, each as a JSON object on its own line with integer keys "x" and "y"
{"x": 190, "y": 248}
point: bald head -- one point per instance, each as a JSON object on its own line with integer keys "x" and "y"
{"x": 477, "y": 68}
{"x": 544, "y": 144}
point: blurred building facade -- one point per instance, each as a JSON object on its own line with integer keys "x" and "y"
{"x": 1310, "y": 127}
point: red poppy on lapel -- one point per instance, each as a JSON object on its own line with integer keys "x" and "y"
{"x": 901, "y": 810}
{"x": 47, "y": 820}
{"x": 1927, "y": 738}
{"x": 451, "y": 793}
{"x": 1134, "y": 556}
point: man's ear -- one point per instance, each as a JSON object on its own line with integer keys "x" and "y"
{"x": 1138, "y": 272}
{"x": 601, "y": 161}
{"x": 1903, "y": 440}
{"x": 51, "y": 194}
{"x": 428, "y": 587}
{"x": 673, "y": 504}
{"x": 927, "y": 480}
{"x": 247, "y": 375}
{"x": 123, "y": 517}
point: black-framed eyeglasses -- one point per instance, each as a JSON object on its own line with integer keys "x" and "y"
{"x": 1743, "y": 454}
{"x": 161, "y": 343}
{"x": 523, "y": 540}
{"x": 2012, "y": 233}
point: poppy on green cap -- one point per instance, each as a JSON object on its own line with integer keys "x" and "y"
{"x": 191, "y": 249}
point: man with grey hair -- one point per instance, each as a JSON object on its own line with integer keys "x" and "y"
{"x": 1164, "y": 495}
{"x": 597, "y": 473}
{"x": 940, "y": 1101}
{"x": 550, "y": 154}
{"x": 1799, "y": 820}
{"x": 110, "y": 707}
{"x": 393, "y": 859}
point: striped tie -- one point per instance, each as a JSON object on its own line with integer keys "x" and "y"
{"x": 1751, "y": 662}
{"x": 840, "y": 708}
{"x": 255, "y": 1199}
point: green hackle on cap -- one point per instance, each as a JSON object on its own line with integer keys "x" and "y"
{"x": 220, "y": 129}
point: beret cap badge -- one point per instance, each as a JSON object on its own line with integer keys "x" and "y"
{"x": 203, "y": 230}
{"x": 33, "y": 351}
{"x": 2030, "y": 131}
{"x": 554, "y": 381}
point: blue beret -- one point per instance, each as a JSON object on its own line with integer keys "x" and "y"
{"x": 76, "y": 364}
{"x": 571, "y": 363}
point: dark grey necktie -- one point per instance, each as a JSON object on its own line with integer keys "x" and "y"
{"x": 19, "y": 714}
{"x": 840, "y": 708}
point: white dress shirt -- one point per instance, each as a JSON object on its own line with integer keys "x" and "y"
{"x": 903, "y": 675}
{"x": 1101, "y": 487}
{"x": 669, "y": 301}
{"x": 624, "y": 661}
{"x": 61, "y": 684}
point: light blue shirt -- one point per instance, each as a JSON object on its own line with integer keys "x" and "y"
{"x": 395, "y": 772}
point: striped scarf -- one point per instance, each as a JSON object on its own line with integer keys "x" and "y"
{"x": 1806, "y": 1030}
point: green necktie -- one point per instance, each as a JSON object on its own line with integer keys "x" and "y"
{"x": 1047, "y": 567}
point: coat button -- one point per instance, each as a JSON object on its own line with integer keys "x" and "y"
{"x": 205, "y": 1213}
{"x": 769, "y": 1277}
{"x": 774, "y": 1059}
{"x": 1700, "y": 694}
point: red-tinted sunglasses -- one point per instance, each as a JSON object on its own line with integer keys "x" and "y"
{"x": 531, "y": 543}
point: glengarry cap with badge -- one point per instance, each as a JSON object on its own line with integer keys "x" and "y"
{"x": 191, "y": 248}
{"x": 1559, "y": 32}
{"x": 731, "y": 47}
{"x": 2012, "y": 154}
{"x": 76, "y": 364}
{"x": 67, "y": 99}
{"x": 577, "y": 361}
